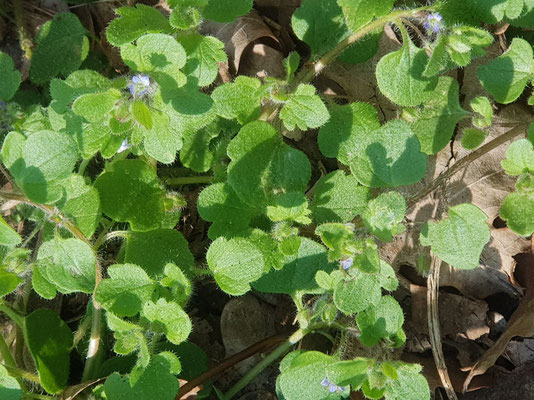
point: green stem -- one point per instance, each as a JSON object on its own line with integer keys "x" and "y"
{"x": 306, "y": 75}
{"x": 83, "y": 165}
{"x": 202, "y": 271}
{"x": 9, "y": 362}
{"x": 108, "y": 236}
{"x": 20, "y": 373}
{"x": 94, "y": 350}
{"x": 38, "y": 396}
{"x": 258, "y": 368}
{"x": 188, "y": 180}
{"x": 11, "y": 313}
{"x": 81, "y": 332}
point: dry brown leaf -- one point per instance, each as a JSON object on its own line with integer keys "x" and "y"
{"x": 239, "y": 35}
{"x": 459, "y": 316}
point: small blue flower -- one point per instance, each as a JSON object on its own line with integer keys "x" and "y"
{"x": 139, "y": 85}
{"x": 124, "y": 146}
{"x": 347, "y": 264}
{"x": 325, "y": 382}
{"x": 332, "y": 388}
{"x": 2, "y": 104}
{"x": 434, "y": 22}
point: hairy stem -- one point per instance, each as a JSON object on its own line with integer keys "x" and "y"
{"x": 306, "y": 75}
{"x": 108, "y": 236}
{"x": 464, "y": 162}
{"x": 188, "y": 180}
{"x": 258, "y": 368}
{"x": 9, "y": 362}
{"x": 18, "y": 373}
{"x": 11, "y": 313}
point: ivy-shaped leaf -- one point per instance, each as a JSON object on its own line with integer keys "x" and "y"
{"x": 434, "y": 124}
{"x": 159, "y": 55}
{"x": 156, "y": 381}
{"x": 240, "y": 99}
{"x": 388, "y": 157}
{"x": 506, "y": 76}
{"x": 67, "y": 264}
{"x": 235, "y": 263}
{"x": 82, "y": 204}
{"x": 203, "y": 55}
{"x": 227, "y": 11}
{"x": 304, "y": 109}
{"x": 95, "y": 107}
{"x": 459, "y": 239}
{"x": 8, "y": 236}
{"x": 10, "y": 77}
{"x": 131, "y": 192}
{"x": 49, "y": 341}
{"x": 360, "y": 12}
{"x": 219, "y": 204}
{"x": 519, "y": 158}
{"x": 381, "y": 321}
{"x": 298, "y": 272}
{"x": 61, "y": 46}
{"x": 383, "y": 216}
{"x": 262, "y": 165}
{"x": 134, "y": 23}
{"x": 169, "y": 318}
{"x": 399, "y": 75}
{"x": 338, "y": 198}
{"x": 291, "y": 206}
{"x": 126, "y": 290}
{"x": 153, "y": 250}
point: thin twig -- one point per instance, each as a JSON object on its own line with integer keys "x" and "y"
{"x": 465, "y": 161}
{"x": 434, "y": 328}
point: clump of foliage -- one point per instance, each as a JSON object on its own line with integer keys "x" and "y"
{"x": 268, "y": 232}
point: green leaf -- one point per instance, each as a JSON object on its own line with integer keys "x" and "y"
{"x": 235, "y": 263}
{"x": 9, "y": 387}
{"x": 348, "y": 372}
{"x": 169, "y": 318}
{"x": 357, "y": 293}
{"x": 142, "y": 114}
{"x": 39, "y": 162}
{"x": 10, "y": 77}
{"x": 388, "y": 157}
{"x": 153, "y": 250}
{"x": 506, "y": 76}
{"x": 157, "y": 381}
{"x": 203, "y": 55}
{"x": 519, "y": 158}
{"x": 184, "y": 17}
{"x": 381, "y": 321}
{"x": 131, "y": 192}
{"x": 8, "y": 236}
{"x": 304, "y": 109}
{"x": 342, "y": 133}
{"x": 291, "y": 206}
{"x": 219, "y": 204}
{"x": 410, "y": 385}
{"x": 8, "y": 282}
{"x": 439, "y": 58}
{"x": 320, "y": 24}
{"x": 134, "y": 23}
{"x": 338, "y": 198}
{"x": 482, "y": 106}
{"x": 49, "y": 340}
{"x": 434, "y": 124}
{"x": 161, "y": 141}
{"x": 95, "y": 107}
{"x": 399, "y": 75}
{"x": 159, "y": 55}
{"x": 490, "y": 11}
{"x": 196, "y": 152}
{"x": 82, "y": 205}
{"x": 291, "y": 64}
{"x": 126, "y": 290}
{"x": 262, "y": 165}
{"x": 302, "y": 378}
{"x": 176, "y": 280}
{"x": 338, "y": 238}
{"x": 383, "y": 216}
{"x": 68, "y": 264}
{"x": 240, "y": 99}
{"x": 61, "y": 46}
{"x": 473, "y": 138}
{"x": 41, "y": 286}
{"x": 298, "y": 273}
{"x": 459, "y": 239}
{"x": 360, "y": 12}
{"x": 227, "y": 11}
{"x": 517, "y": 210}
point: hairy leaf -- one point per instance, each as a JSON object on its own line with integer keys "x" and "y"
{"x": 8, "y": 236}
{"x": 383, "y": 216}
{"x": 517, "y": 210}
{"x": 304, "y": 109}
{"x": 360, "y": 12}
{"x": 519, "y": 158}
{"x": 169, "y": 318}
{"x": 382, "y": 321}
{"x": 240, "y": 99}
{"x": 226, "y": 11}
{"x": 203, "y": 55}
{"x": 10, "y": 77}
